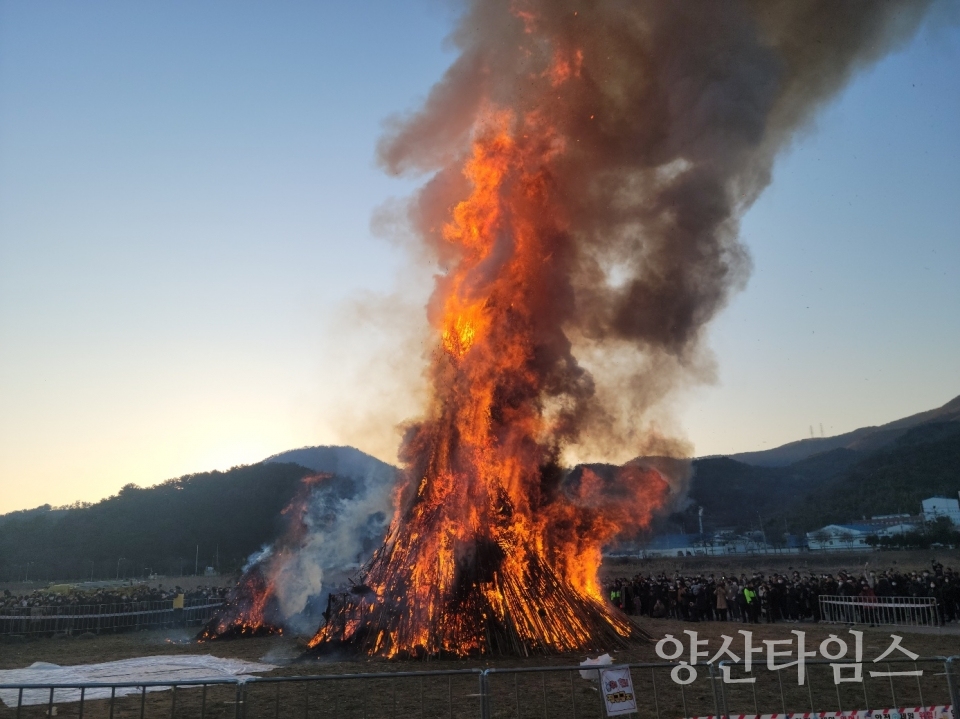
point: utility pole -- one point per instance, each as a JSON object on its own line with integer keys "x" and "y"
{"x": 196, "y": 561}
{"x": 762, "y": 533}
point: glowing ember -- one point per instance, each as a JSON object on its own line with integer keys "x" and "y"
{"x": 247, "y": 611}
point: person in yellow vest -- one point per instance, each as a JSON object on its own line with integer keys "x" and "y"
{"x": 615, "y": 595}
{"x": 179, "y": 620}
{"x": 753, "y": 603}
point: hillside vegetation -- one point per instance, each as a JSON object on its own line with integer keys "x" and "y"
{"x": 923, "y": 463}
{"x": 837, "y": 486}
{"x": 227, "y": 515}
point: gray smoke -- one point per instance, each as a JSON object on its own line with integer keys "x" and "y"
{"x": 670, "y": 116}
{"x": 334, "y": 524}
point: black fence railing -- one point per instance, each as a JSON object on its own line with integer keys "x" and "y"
{"x": 100, "y": 618}
{"x": 663, "y": 691}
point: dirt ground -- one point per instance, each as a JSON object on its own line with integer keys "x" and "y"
{"x": 529, "y": 693}
{"x": 536, "y": 694}
{"x": 925, "y": 641}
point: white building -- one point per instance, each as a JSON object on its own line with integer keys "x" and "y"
{"x": 853, "y": 536}
{"x": 711, "y": 544}
{"x": 847, "y": 537}
{"x": 941, "y": 507}
{"x": 840, "y": 537}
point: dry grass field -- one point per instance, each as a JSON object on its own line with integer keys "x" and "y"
{"x": 550, "y": 694}
{"x": 535, "y": 694}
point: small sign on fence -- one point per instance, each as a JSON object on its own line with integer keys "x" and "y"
{"x": 618, "y": 695}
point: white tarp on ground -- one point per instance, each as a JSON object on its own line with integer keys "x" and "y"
{"x": 604, "y": 660}
{"x": 175, "y": 668}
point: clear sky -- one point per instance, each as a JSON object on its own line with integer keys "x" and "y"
{"x": 186, "y": 193}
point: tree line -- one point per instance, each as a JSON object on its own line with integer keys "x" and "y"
{"x": 212, "y": 519}
{"x": 835, "y": 487}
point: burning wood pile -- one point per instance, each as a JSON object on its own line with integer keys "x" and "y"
{"x": 247, "y": 612}
{"x": 485, "y": 616}
{"x": 490, "y": 550}
{"x": 283, "y": 582}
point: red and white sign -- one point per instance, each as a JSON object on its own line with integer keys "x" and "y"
{"x": 935, "y": 712}
{"x": 616, "y": 684}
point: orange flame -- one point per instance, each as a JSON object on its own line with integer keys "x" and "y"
{"x": 246, "y": 611}
{"x": 489, "y": 541}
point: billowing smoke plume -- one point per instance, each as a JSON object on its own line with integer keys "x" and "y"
{"x": 336, "y": 528}
{"x": 591, "y": 161}
{"x": 658, "y": 123}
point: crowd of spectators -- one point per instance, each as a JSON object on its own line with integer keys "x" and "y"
{"x": 776, "y": 597}
{"x": 79, "y": 596}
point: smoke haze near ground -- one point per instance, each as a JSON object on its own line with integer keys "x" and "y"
{"x": 334, "y": 523}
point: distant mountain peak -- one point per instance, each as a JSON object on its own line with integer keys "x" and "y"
{"x": 862, "y": 439}
{"x": 340, "y": 460}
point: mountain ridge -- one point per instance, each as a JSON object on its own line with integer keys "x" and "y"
{"x": 861, "y": 439}
{"x": 217, "y": 518}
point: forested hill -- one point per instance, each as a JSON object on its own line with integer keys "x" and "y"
{"x": 836, "y": 486}
{"x": 228, "y": 515}
{"x": 924, "y": 462}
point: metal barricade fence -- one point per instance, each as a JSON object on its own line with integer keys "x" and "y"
{"x": 451, "y": 694}
{"x": 101, "y": 700}
{"x": 557, "y": 692}
{"x": 883, "y": 685}
{"x": 531, "y": 693}
{"x": 502, "y": 693}
{"x": 951, "y": 670}
{"x": 97, "y": 618}
{"x": 913, "y": 611}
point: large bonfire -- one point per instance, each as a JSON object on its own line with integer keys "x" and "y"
{"x": 591, "y": 161}
{"x": 490, "y": 550}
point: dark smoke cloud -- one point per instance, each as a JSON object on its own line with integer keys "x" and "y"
{"x": 671, "y": 114}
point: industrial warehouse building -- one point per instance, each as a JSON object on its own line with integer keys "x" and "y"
{"x": 853, "y": 536}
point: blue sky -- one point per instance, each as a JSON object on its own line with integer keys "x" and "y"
{"x": 186, "y": 193}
